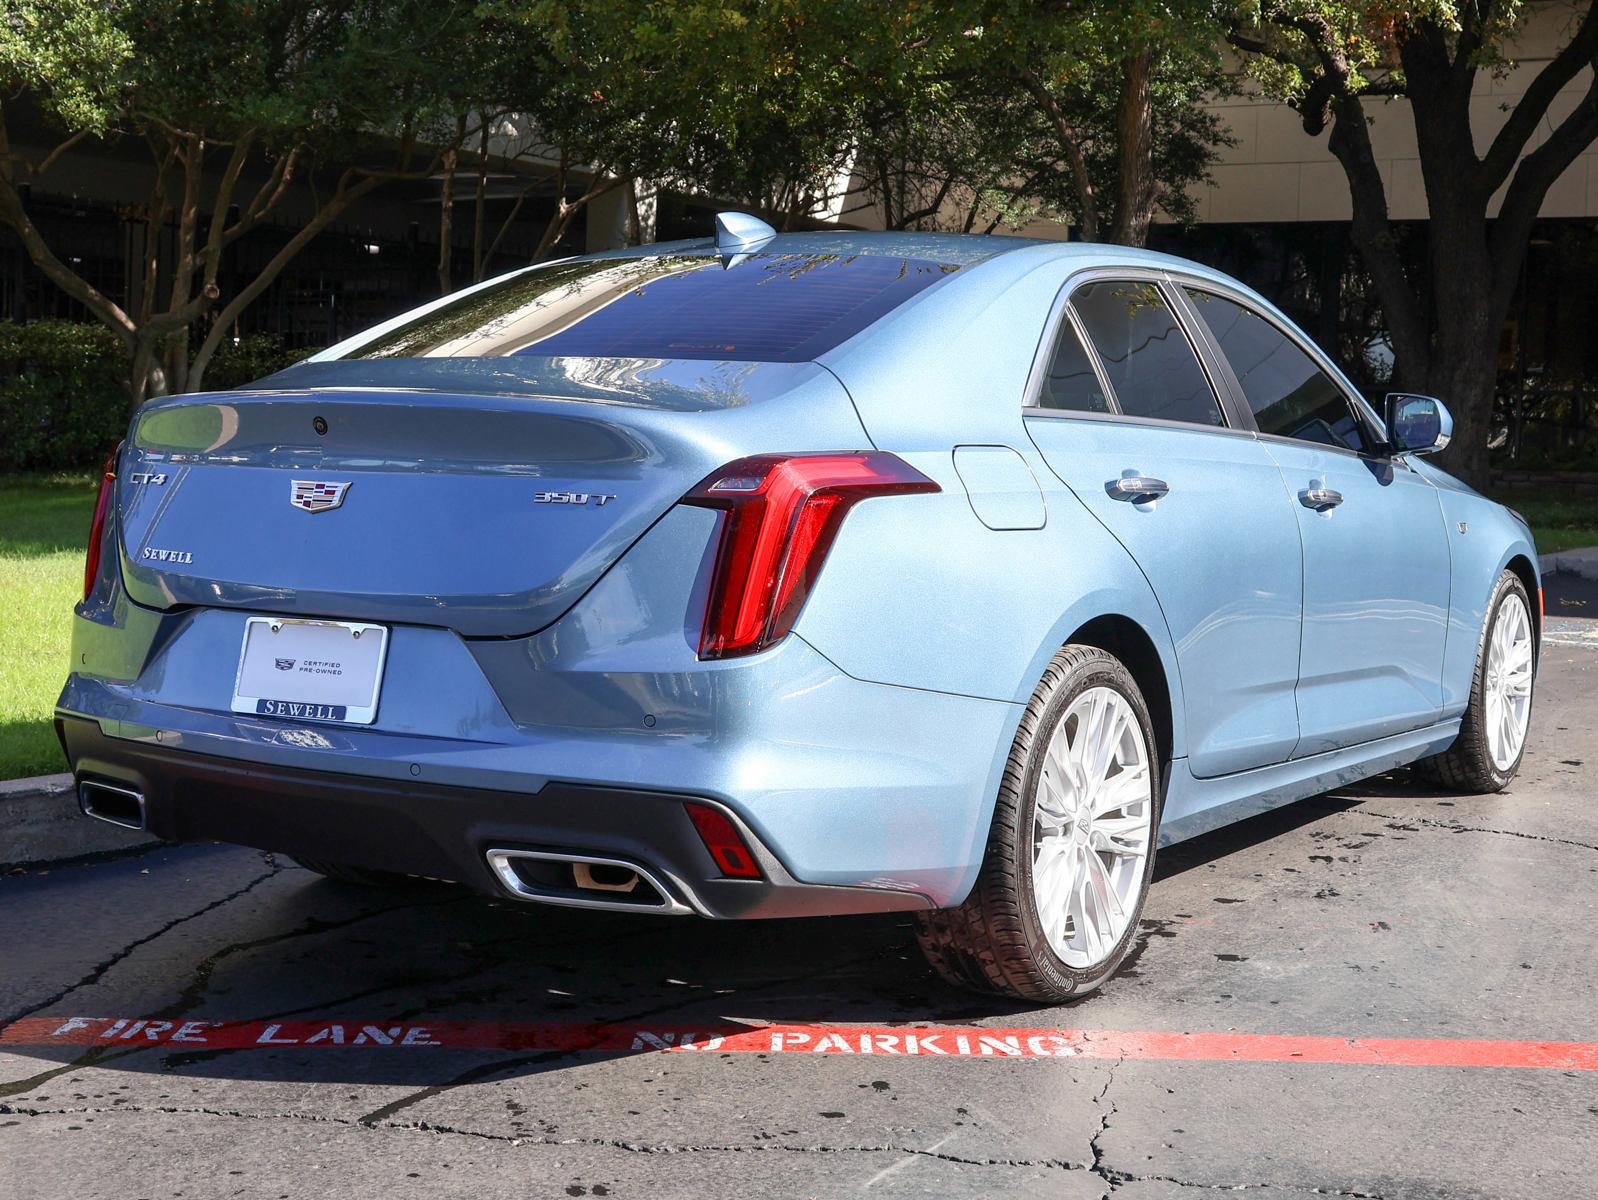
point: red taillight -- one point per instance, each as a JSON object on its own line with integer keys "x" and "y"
{"x": 102, "y": 509}
{"x": 781, "y": 513}
{"x": 722, "y": 839}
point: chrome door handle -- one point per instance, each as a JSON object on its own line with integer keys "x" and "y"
{"x": 1138, "y": 487}
{"x": 1320, "y": 499}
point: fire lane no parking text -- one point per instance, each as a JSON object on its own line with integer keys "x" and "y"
{"x": 939, "y": 1041}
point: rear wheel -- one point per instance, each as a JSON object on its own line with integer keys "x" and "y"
{"x": 1492, "y": 735}
{"x": 363, "y": 876}
{"x": 1071, "y": 851}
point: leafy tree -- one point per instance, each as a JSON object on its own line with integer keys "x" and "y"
{"x": 1111, "y": 99}
{"x": 982, "y": 113}
{"x": 238, "y": 103}
{"x": 768, "y": 93}
{"x": 1444, "y": 308}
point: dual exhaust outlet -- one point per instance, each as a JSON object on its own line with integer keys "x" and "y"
{"x": 541, "y": 876}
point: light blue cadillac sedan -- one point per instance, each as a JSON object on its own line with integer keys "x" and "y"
{"x": 793, "y": 575}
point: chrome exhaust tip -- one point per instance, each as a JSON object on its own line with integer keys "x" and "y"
{"x": 595, "y": 877}
{"x": 583, "y": 881}
{"x": 112, "y": 804}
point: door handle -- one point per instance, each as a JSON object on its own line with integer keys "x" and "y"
{"x": 1320, "y": 498}
{"x": 1138, "y": 487}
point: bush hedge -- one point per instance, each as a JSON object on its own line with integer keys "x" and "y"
{"x": 255, "y": 356}
{"x": 63, "y": 400}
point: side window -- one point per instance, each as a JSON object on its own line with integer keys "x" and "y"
{"x": 1071, "y": 382}
{"x": 1152, "y": 369}
{"x": 1290, "y": 395}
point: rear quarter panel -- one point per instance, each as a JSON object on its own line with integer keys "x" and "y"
{"x": 918, "y": 591}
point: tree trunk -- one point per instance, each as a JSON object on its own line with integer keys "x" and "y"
{"x": 446, "y": 220}
{"x": 1466, "y": 319}
{"x": 1135, "y": 191}
{"x": 480, "y": 208}
{"x": 1467, "y": 387}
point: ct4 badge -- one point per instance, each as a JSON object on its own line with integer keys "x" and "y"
{"x": 315, "y": 495}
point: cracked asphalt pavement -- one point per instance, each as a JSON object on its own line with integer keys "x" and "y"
{"x": 1387, "y": 910}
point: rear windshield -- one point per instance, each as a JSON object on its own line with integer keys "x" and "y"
{"x": 768, "y": 308}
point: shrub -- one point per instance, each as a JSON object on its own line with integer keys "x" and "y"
{"x": 62, "y": 402}
{"x": 256, "y": 355}
{"x": 63, "y": 399}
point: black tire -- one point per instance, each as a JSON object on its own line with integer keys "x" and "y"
{"x": 1467, "y": 766}
{"x": 994, "y": 942}
{"x": 361, "y": 876}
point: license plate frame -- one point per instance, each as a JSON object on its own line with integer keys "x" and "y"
{"x": 313, "y": 697}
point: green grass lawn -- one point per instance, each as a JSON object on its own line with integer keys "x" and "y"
{"x": 1557, "y": 522}
{"x": 44, "y": 523}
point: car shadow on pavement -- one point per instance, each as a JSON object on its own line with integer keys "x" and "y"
{"x": 309, "y": 949}
{"x": 305, "y": 948}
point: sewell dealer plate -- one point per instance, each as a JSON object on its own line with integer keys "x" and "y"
{"x": 310, "y": 670}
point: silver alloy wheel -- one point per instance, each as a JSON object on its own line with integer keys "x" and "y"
{"x": 1091, "y": 826}
{"x": 1507, "y": 685}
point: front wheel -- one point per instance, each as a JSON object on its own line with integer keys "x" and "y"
{"x": 1492, "y": 735}
{"x": 1071, "y": 851}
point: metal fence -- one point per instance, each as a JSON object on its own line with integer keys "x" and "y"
{"x": 1546, "y": 425}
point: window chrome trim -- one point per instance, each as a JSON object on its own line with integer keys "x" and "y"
{"x": 1075, "y": 414}
{"x": 1375, "y": 427}
{"x": 1233, "y": 400}
{"x": 1305, "y": 444}
{"x": 1060, "y": 312}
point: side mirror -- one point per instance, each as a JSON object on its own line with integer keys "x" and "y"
{"x": 1417, "y": 424}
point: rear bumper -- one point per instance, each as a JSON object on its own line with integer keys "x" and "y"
{"x": 861, "y": 787}
{"x": 446, "y": 831}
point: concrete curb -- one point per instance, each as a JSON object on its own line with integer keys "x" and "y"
{"x": 1581, "y": 563}
{"x": 40, "y": 824}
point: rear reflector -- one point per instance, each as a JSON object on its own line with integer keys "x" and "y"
{"x": 102, "y": 509}
{"x": 782, "y": 512}
{"x": 722, "y": 839}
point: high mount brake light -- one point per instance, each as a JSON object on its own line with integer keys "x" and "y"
{"x": 102, "y": 509}
{"x": 781, "y": 513}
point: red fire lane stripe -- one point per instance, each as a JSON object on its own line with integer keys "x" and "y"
{"x": 930, "y": 1041}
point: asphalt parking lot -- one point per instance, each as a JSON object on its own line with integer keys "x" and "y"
{"x": 487, "y": 1050}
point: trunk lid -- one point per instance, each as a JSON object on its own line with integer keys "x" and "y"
{"x": 488, "y": 510}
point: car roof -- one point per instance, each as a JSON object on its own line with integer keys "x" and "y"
{"x": 957, "y": 249}
{"x": 960, "y": 249}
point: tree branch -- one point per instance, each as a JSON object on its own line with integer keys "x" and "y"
{"x": 1071, "y": 145}
{"x": 218, "y": 237}
{"x": 504, "y": 228}
{"x": 344, "y": 195}
{"x": 1581, "y": 51}
{"x": 54, "y": 156}
{"x": 1529, "y": 187}
{"x": 64, "y": 277}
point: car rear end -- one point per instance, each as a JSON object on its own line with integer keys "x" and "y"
{"x": 501, "y": 597}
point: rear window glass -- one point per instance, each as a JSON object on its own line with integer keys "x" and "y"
{"x": 768, "y": 308}
{"x": 1150, "y": 364}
